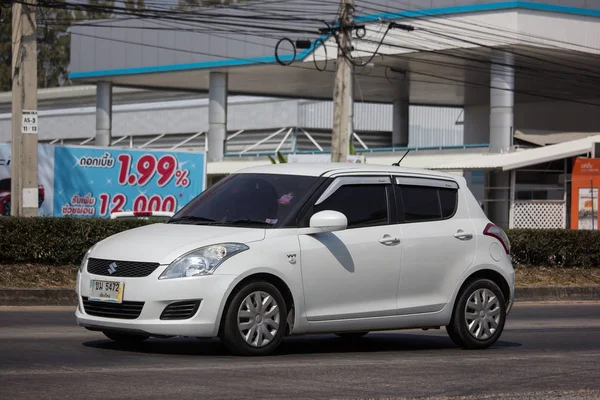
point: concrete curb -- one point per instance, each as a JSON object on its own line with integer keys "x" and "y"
{"x": 67, "y": 297}
{"x": 38, "y": 297}
{"x": 557, "y": 293}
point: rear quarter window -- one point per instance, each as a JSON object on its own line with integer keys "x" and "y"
{"x": 448, "y": 202}
{"x": 425, "y": 203}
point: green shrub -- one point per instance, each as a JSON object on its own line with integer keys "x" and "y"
{"x": 62, "y": 241}
{"x": 555, "y": 247}
{"x": 55, "y": 241}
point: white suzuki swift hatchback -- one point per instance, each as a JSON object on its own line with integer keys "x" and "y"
{"x": 294, "y": 249}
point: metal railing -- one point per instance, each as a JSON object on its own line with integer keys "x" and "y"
{"x": 287, "y": 140}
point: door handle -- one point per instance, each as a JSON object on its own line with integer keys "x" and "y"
{"x": 462, "y": 235}
{"x": 387, "y": 240}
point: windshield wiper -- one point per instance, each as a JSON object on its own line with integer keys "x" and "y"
{"x": 192, "y": 219}
{"x": 248, "y": 222}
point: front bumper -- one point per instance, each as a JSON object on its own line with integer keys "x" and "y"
{"x": 157, "y": 294}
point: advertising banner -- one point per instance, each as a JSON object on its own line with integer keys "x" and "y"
{"x": 587, "y": 215}
{"x": 585, "y": 182}
{"x": 95, "y": 182}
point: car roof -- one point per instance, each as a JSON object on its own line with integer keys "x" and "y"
{"x": 330, "y": 169}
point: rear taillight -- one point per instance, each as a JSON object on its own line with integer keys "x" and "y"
{"x": 495, "y": 232}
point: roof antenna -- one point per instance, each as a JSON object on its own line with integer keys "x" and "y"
{"x": 398, "y": 163}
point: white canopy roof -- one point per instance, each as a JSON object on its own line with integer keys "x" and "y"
{"x": 423, "y": 159}
{"x": 524, "y": 158}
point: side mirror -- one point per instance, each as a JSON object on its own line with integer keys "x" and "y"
{"x": 328, "y": 221}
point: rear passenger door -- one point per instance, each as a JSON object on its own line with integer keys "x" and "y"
{"x": 438, "y": 242}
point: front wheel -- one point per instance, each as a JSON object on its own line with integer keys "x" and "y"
{"x": 255, "y": 320}
{"x": 479, "y": 315}
{"x": 125, "y": 338}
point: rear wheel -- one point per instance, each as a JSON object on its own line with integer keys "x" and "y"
{"x": 125, "y": 338}
{"x": 479, "y": 315}
{"x": 255, "y": 320}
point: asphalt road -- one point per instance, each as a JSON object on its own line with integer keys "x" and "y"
{"x": 547, "y": 351}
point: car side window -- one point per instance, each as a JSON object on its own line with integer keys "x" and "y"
{"x": 363, "y": 205}
{"x": 448, "y": 201}
{"x": 420, "y": 203}
{"x": 425, "y": 203}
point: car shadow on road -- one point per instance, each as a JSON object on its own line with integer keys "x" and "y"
{"x": 298, "y": 345}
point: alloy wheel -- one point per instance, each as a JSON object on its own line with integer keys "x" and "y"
{"x": 482, "y": 314}
{"x": 258, "y": 319}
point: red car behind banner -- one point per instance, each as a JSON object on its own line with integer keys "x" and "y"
{"x": 5, "y": 196}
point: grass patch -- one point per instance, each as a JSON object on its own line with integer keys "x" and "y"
{"x": 64, "y": 276}
{"x": 38, "y": 276}
{"x": 544, "y": 276}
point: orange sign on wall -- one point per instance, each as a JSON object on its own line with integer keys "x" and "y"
{"x": 585, "y": 182}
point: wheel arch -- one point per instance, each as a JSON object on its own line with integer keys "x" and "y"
{"x": 261, "y": 277}
{"x": 491, "y": 275}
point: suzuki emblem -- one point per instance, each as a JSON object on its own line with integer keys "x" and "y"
{"x": 112, "y": 268}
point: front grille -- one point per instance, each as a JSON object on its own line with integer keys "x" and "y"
{"x": 126, "y": 269}
{"x": 180, "y": 310}
{"x": 124, "y": 310}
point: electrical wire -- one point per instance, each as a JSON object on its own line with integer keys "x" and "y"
{"x": 230, "y": 24}
{"x": 314, "y": 57}
{"x": 285, "y": 64}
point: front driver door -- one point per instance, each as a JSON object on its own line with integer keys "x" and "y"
{"x": 353, "y": 273}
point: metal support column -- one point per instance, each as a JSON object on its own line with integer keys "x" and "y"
{"x": 217, "y": 116}
{"x": 501, "y": 102}
{"x": 513, "y": 193}
{"x": 400, "y": 123}
{"x": 500, "y": 196}
{"x": 103, "y": 114}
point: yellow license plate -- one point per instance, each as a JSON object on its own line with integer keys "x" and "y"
{"x": 109, "y": 291}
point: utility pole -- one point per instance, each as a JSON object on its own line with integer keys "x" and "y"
{"x": 24, "y": 171}
{"x": 342, "y": 91}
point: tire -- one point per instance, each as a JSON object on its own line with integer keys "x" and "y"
{"x": 351, "y": 335}
{"x": 125, "y": 338}
{"x": 251, "y": 336}
{"x": 6, "y": 209}
{"x": 485, "y": 332}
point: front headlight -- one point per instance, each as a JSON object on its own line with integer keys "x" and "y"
{"x": 202, "y": 261}
{"x": 85, "y": 259}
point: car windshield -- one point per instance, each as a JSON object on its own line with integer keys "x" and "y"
{"x": 257, "y": 200}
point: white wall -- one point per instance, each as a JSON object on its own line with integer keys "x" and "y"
{"x": 187, "y": 116}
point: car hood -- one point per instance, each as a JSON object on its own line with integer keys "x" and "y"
{"x": 163, "y": 243}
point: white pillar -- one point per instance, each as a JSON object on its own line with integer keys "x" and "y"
{"x": 499, "y": 193}
{"x": 103, "y": 114}
{"x": 400, "y": 123}
{"x": 217, "y": 116}
{"x": 502, "y": 80}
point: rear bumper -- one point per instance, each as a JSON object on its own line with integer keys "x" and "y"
{"x": 511, "y": 300}
{"x": 157, "y": 294}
